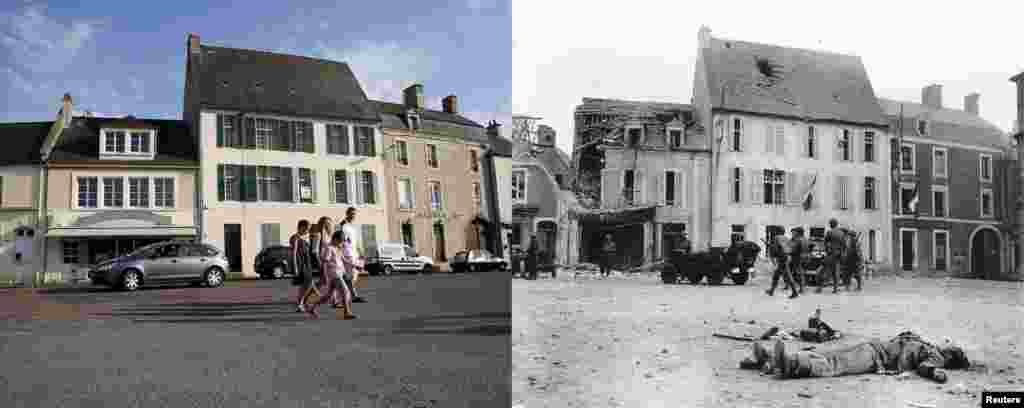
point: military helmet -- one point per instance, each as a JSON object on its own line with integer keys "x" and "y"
{"x": 833, "y": 223}
{"x": 955, "y": 357}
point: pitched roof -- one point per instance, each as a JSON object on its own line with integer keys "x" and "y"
{"x": 794, "y": 82}
{"x": 250, "y": 80}
{"x": 945, "y": 124}
{"x": 501, "y": 146}
{"x": 22, "y": 141}
{"x": 393, "y": 115}
{"x": 81, "y": 140}
{"x": 620, "y": 106}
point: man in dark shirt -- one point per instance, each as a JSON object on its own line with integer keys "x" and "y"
{"x": 905, "y": 352}
{"x": 800, "y": 247}
{"x": 684, "y": 244}
{"x": 531, "y": 258}
{"x": 781, "y": 252}
{"x": 835, "y": 248}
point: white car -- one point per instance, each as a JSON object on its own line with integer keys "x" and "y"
{"x": 391, "y": 257}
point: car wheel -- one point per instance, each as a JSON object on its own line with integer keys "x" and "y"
{"x": 502, "y": 267}
{"x": 388, "y": 270}
{"x": 214, "y": 277}
{"x": 277, "y": 272}
{"x": 131, "y": 280}
{"x": 427, "y": 269}
{"x": 471, "y": 268}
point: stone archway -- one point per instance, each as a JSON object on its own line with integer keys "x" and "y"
{"x": 985, "y": 253}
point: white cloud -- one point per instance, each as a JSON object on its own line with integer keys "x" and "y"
{"x": 647, "y": 49}
{"x": 38, "y": 43}
{"x": 385, "y": 69}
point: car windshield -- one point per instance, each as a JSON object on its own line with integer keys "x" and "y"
{"x": 410, "y": 252}
{"x": 484, "y": 253}
{"x": 146, "y": 250}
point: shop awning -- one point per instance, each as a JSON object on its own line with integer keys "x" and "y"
{"x": 121, "y": 232}
{"x": 616, "y": 215}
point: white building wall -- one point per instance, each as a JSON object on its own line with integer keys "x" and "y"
{"x": 503, "y": 178}
{"x": 755, "y": 155}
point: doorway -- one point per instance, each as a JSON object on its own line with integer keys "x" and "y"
{"x": 908, "y": 242}
{"x": 671, "y": 234}
{"x": 547, "y": 233}
{"x": 233, "y": 246}
{"x": 985, "y": 254}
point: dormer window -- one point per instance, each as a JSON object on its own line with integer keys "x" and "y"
{"x": 675, "y": 137}
{"x": 127, "y": 144}
{"x": 634, "y": 136}
{"x": 414, "y": 121}
{"x": 922, "y": 127}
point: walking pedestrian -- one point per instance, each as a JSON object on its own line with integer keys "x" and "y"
{"x": 335, "y": 260}
{"x": 834, "y": 248}
{"x": 608, "y": 251}
{"x": 780, "y": 249}
{"x": 320, "y": 238}
{"x": 349, "y": 228}
{"x": 684, "y": 244}
{"x": 301, "y": 265}
{"x": 531, "y": 258}
{"x": 800, "y": 247}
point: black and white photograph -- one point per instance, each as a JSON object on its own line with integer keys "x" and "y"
{"x": 740, "y": 204}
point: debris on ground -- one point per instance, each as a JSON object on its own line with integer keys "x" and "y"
{"x": 804, "y": 395}
{"x": 731, "y": 337}
{"x": 920, "y": 405}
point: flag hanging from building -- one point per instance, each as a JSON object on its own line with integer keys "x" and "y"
{"x": 809, "y": 194}
{"x": 912, "y": 205}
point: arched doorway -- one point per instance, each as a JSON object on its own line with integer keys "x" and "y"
{"x": 985, "y": 253}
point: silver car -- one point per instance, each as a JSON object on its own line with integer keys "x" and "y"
{"x": 164, "y": 262}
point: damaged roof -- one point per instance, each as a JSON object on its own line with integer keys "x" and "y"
{"x": 393, "y": 115}
{"x": 81, "y": 140}
{"x": 951, "y": 125}
{"x": 621, "y": 107}
{"x": 260, "y": 81}
{"x": 793, "y": 82}
{"x": 22, "y": 141}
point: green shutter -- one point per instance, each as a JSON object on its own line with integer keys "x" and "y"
{"x": 220, "y": 130}
{"x": 220, "y": 182}
{"x": 250, "y": 184}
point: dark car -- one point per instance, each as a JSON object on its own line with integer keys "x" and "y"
{"x": 164, "y": 262}
{"x": 477, "y": 260}
{"x": 273, "y": 262}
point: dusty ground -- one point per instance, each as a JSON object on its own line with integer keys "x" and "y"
{"x": 632, "y": 341}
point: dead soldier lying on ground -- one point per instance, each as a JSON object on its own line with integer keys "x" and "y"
{"x": 905, "y": 352}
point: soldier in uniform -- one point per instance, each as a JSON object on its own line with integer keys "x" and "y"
{"x": 607, "y": 254}
{"x": 800, "y": 247}
{"x": 835, "y": 242}
{"x": 531, "y": 259}
{"x": 905, "y": 352}
{"x": 684, "y": 244}
{"x": 782, "y": 253}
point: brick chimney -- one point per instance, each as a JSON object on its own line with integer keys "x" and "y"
{"x": 931, "y": 96}
{"x": 450, "y": 104}
{"x": 413, "y": 96}
{"x": 971, "y": 103}
{"x": 193, "y": 43}
{"x": 66, "y": 110}
{"x": 703, "y": 36}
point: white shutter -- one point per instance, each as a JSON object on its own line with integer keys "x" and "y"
{"x": 837, "y": 192}
{"x": 296, "y": 185}
{"x": 638, "y": 187}
{"x": 378, "y": 190}
{"x": 608, "y": 186}
{"x": 756, "y": 186}
{"x": 744, "y": 193}
{"x": 745, "y": 144}
{"x": 660, "y": 188}
{"x": 791, "y": 188}
{"x": 769, "y": 139}
{"x": 312, "y": 180}
{"x": 332, "y": 197}
{"x": 680, "y": 184}
{"x": 355, "y": 187}
{"x": 780, "y": 140}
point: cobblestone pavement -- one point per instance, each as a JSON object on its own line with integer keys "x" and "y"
{"x": 630, "y": 341}
{"x": 422, "y": 341}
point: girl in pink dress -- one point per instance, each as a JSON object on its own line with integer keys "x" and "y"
{"x": 334, "y": 265}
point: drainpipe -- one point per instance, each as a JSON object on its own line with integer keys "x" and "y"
{"x": 41, "y": 219}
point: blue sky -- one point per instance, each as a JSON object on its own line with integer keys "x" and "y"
{"x": 128, "y": 57}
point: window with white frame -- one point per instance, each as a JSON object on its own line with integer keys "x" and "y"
{"x": 985, "y": 167}
{"x": 365, "y": 141}
{"x": 737, "y": 184}
{"x": 113, "y": 192}
{"x": 519, "y": 185}
{"x": 812, "y": 141}
{"x": 670, "y": 188}
{"x": 844, "y": 145}
{"x": 869, "y": 146}
{"x": 88, "y": 188}
{"x": 675, "y": 137}
{"x": 337, "y": 139}
{"x": 341, "y": 187}
{"x": 737, "y": 134}
{"x": 940, "y": 161}
{"x": 634, "y": 136}
{"x": 367, "y": 187}
{"x": 870, "y": 193}
{"x": 986, "y": 202}
{"x": 872, "y": 245}
{"x": 307, "y": 186}
{"x": 138, "y": 192}
{"x": 432, "y": 156}
{"x": 228, "y": 132}
{"x": 113, "y": 141}
{"x": 908, "y": 162}
{"x": 774, "y": 187}
{"x": 402, "y": 151}
{"x": 629, "y": 186}
{"x": 264, "y": 132}
{"x": 477, "y": 197}
{"x": 474, "y": 161}
{"x": 436, "y": 202}
{"x": 139, "y": 142}
{"x": 405, "y": 197}
{"x": 940, "y": 201}
{"x": 163, "y": 192}
{"x": 70, "y": 252}
{"x": 231, "y": 182}
{"x": 940, "y": 245}
{"x": 908, "y": 198}
{"x": 843, "y": 184}
{"x": 922, "y": 127}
